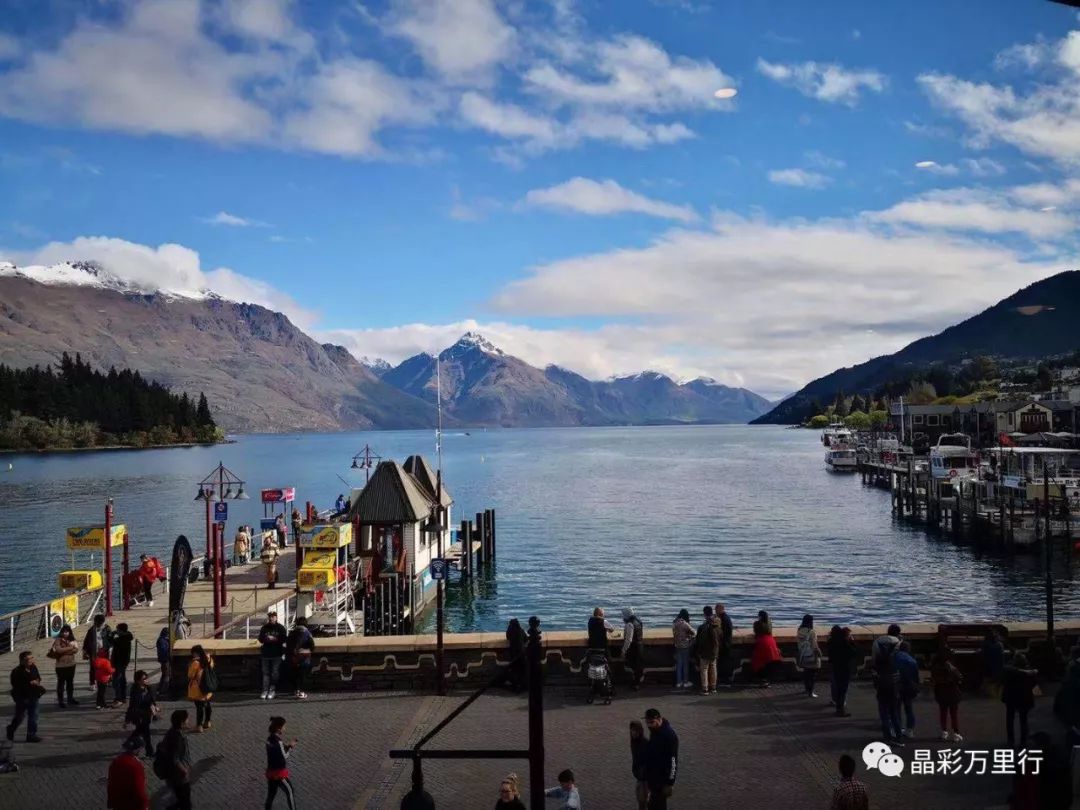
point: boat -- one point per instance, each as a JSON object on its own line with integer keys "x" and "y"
{"x": 952, "y": 457}
{"x": 841, "y": 458}
{"x": 836, "y": 433}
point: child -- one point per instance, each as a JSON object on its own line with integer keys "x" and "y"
{"x": 637, "y": 762}
{"x": 567, "y": 792}
{"x": 277, "y": 762}
{"x": 141, "y": 711}
{"x": 103, "y": 672}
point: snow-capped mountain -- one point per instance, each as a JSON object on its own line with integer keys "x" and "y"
{"x": 90, "y": 274}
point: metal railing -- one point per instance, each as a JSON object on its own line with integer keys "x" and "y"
{"x": 30, "y": 624}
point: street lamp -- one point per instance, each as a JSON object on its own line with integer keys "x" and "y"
{"x": 218, "y": 486}
{"x": 365, "y": 460}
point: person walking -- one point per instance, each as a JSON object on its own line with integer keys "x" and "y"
{"x": 1017, "y": 693}
{"x": 125, "y": 787}
{"x": 993, "y": 663}
{"x": 173, "y": 760}
{"x": 684, "y": 642}
{"x": 766, "y": 655}
{"x": 277, "y": 765}
{"x": 299, "y": 649}
{"x": 850, "y": 793}
{"x": 241, "y": 546}
{"x": 26, "y": 692}
{"x": 707, "y": 649}
{"x": 661, "y": 759}
{"x": 279, "y": 526}
{"x": 163, "y": 649}
{"x": 120, "y": 653}
{"x": 908, "y": 686}
{"x": 567, "y": 792}
{"x": 98, "y": 637}
{"x": 200, "y": 690}
{"x": 268, "y": 556}
{"x": 947, "y": 680}
{"x": 725, "y": 666}
{"x": 141, "y": 711}
{"x": 509, "y": 794}
{"x": 63, "y": 651}
{"x": 633, "y": 646}
{"x": 638, "y": 744}
{"x": 809, "y": 654}
{"x": 841, "y": 651}
{"x": 887, "y": 686}
{"x": 103, "y": 675}
{"x": 272, "y": 640}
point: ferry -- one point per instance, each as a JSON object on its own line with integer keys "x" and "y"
{"x": 952, "y": 457}
{"x": 841, "y": 458}
{"x": 835, "y": 434}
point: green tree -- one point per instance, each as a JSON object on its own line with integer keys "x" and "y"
{"x": 819, "y": 421}
{"x": 202, "y": 413}
{"x": 858, "y": 421}
{"x": 878, "y": 419}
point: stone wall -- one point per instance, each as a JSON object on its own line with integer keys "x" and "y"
{"x": 408, "y": 662}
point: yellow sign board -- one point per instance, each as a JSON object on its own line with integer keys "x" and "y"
{"x": 79, "y": 580}
{"x": 320, "y": 559}
{"x": 65, "y": 608}
{"x": 326, "y": 535}
{"x": 92, "y": 538}
{"x": 309, "y": 579}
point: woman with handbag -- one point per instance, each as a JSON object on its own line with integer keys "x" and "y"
{"x": 809, "y": 654}
{"x": 63, "y": 652}
{"x": 202, "y": 680}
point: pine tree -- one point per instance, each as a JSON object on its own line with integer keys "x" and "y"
{"x": 202, "y": 413}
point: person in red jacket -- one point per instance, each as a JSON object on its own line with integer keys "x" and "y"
{"x": 103, "y": 672}
{"x": 126, "y": 788}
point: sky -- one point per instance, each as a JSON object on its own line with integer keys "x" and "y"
{"x": 558, "y": 175}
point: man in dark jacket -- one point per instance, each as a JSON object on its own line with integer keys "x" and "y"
{"x": 725, "y": 667}
{"x": 707, "y": 648}
{"x": 26, "y": 691}
{"x": 599, "y": 627}
{"x": 163, "y": 649}
{"x": 121, "y": 660}
{"x": 174, "y": 747}
{"x": 99, "y": 635}
{"x": 661, "y": 759}
{"x": 272, "y": 637}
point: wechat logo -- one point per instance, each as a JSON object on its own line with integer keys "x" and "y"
{"x": 879, "y": 755}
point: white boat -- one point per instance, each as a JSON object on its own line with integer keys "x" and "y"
{"x": 841, "y": 458}
{"x": 952, "y": 457}
{"x": 835, "y": 434}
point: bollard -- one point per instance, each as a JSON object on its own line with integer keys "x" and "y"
{"x": 536, "y": 716}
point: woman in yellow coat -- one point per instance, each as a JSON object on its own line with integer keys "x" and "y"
{"x": 201, "y": 666}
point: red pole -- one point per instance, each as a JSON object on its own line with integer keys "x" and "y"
{"x": 108, "y": 558}
{"x": 216, "y": 582}
{"x": 209, "y": 550}
{"x": 223, "y": 556}
{"x": 125, "y": 596}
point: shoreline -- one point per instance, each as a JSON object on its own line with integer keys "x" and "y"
{"x": 108, "y": 448}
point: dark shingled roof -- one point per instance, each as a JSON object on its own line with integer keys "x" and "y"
{"x": 419, "y": 469}
{"x": 392, "y": 496}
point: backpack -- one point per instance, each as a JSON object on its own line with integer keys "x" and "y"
{"x": 162, "y": 761}
{"x": 208, "y": 681}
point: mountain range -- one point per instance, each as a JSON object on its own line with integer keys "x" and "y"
{"x": 1036, "y": 322}
{"x": 263, "y": 374}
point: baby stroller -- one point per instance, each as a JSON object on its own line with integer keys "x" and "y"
{"x": 599, "y": 674}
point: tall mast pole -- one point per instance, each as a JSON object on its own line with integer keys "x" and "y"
{"x": 438, "y": 512}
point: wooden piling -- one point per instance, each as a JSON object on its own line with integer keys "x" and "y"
{"x": 482, "y": 538}
{"x": 466, "y": 549}
{"x": 488, "y": 550}
{"x": 492, "y": 533}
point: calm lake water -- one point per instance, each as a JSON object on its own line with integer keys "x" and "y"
{"x": 659, "y": 518}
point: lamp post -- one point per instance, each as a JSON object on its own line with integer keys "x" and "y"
{"x": 365, "y": 460}
{"x": 1048, "y": 551}
{"x": 220, "y": 485}
{"x": 434, "y": 525}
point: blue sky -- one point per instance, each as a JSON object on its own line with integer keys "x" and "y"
{"x": 558, "y": 174}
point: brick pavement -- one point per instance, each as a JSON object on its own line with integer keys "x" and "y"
{"x": 745, "y": 748}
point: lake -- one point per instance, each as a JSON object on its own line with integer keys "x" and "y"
{"x": 658, "y": 518}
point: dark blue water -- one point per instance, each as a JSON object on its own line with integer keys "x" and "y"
{"x": 655, "y": 518}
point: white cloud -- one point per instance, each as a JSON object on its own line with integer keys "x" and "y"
{"x": 462, "y": 40}
{"x": 983, "y": 167}
{"x": 167, "y": 268}
{"x": 506, "y": 120}
{"x": 10, "y": 47}
{"x": 800, "y": 178}
{"x": 828, "y": 82}
{"x": 1027, "y": 55}
{"x": 604, "y": 198}
{"x": 934, "y": 167}
{"x": 974, "y": 210}
{"x": 822, "y": 161}
{"x": 1047, "y": 194}
{"x": 232, "y": 220}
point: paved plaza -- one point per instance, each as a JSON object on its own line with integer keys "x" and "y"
{"x": 743, "y": 748}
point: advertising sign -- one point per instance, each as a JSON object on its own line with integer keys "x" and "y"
{"x": 279, "y": 495}
{"x": 326, "y": 535}
{"x": 90, "y": 538}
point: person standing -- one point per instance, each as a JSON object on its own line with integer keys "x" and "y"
{"x": 277, "y": 764}
{"x": 148, "y": 574}
{"x": 269, "y": 558}
{"x": 809, "y": 654}
{"x": 850, "y": 794}
{"x": 599, "y": 629}
{"x": 272, "y": 640}
{"x": 908, "y": 687}
{"x": 26, "y": 692}
{"x": 279, "y": 526}
{"x": 241, "y": 546}
{"x": 638, "y": 744}
{"x": 1017, "y": 693}
{"x": 661, "y": 759}
{"x": 121, "y": 660}
{"x": 63, "y": 652}
{"x": 683, "y": 634}
{"x": 633, "y": 646}
{"x": 707, "y": 649}
{"x": 297, "y": 525}
{"x": 841, "y": 650}
{"x": 141, "y": 711}
{"x": 164, "y": 658}
{"x": 98, "y": 637}
{"x": 199, "y": 690}
{"x": 887, "y": 684}
{"x": 515, "y": 651}
{"x": 509, "y": 794}
{"x": 947, "y": 680}
{"x": 566, "y": 792}
{"x": 299, "y": 648}
{"x": 725, "y": 666}
{"x": 993, "y": 663}
{"x": 176, "y": 760}
{"x": 125, "y": 787}
{"x": 103, "y": 675}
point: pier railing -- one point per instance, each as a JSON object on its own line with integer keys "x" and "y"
{"x": 23, "y": 627}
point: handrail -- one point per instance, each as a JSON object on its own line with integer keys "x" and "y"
{"x": 6, "y": 616}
